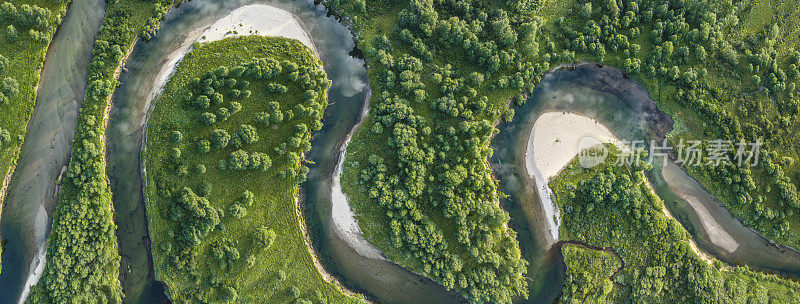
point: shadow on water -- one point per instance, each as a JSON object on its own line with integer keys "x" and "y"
{"x": 32, "y": 192}
{"x": 380, "y": 280}
{"x": 610, "y": 97}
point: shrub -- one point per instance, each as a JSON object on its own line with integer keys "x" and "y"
{"x": 176, "y": 153}
{"x": 220, "y": 138}
{"x": 264, "y": 237}
{"x": 236, "y": 210}
{"x": 295, "y": 292}
{"x": 4, "y": 136}
{"x": 223, "y": 114}
{"x": 204, "y": 146}
{"x": 175, "y": 136}
{"x": 247, "y": 198}
{"x": 11, "y": 33}
{"x": 9, "y": 86}
{"x": 208, "y": 118}
{"x": 247, "y": 134}
{"x": 235, "y": 107}
{"x": 251, "y": 260}
{"x": 3, "y": 63}
{"x": 239, "y": 160}
{"x": 202, "y": 102}
{"x": 262, "y": 118}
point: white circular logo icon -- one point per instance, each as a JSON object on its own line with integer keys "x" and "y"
{"x": 592, "y": 152}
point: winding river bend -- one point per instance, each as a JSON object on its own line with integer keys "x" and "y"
{"x": 378, "y": 279}
{"x": 604, "y": 94}
{"x": 620, "y": 104}
{"x": 32, "y": 192}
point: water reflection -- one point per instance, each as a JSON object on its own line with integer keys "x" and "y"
{"x": 625, "y": 108}
{"x": 380, "y": 280}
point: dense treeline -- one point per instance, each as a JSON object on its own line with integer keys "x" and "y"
{"x": 441, "y": 73}
{"x": 614, "y": 207}
{"x": 36, "y": 19}
{"x": 590, "y": 275}
{"x": 82, "y": 259}
{"x": 717, "y": 68}
{"x": 221, "y": 192}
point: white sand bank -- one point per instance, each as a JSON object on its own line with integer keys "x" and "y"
{"x": 556, "y": 138}
{"x": 257, "y": 19}
{"x": 716, "y": 233}
{"x": 344, "y": 220}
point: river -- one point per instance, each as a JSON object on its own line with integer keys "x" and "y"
{"x": 601, "y": 93}
{"x": 32, "y": 192}
{"x": 620, "y": 104}
{"x": 380, "y": 280}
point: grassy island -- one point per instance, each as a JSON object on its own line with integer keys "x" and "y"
{"x": 224, "y": 156}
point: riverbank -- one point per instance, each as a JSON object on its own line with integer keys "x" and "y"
{"x": 716, "y": 233}
{"x": 33, "y": 192}
{"x": 264, "y": 207}
{"x": 239, "y": 19}
{"x": 25, "y": 56}
{"x": 558, "y": 137}
{"x": 343, "y": 217}
{"x": 613, "y": 207}
{"x": 554, "y": 140}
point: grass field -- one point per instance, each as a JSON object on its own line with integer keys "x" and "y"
{"x": 283, "y": 266}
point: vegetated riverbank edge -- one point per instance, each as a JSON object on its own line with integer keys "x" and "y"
{"x": 381, "y": 43}
{"x": 159, "y": 86}
{"x": 13, "y": 164}
{"x": 513, "y": 136}
{"x": 86, "y": 193}
{"x": 662, "y": 130}
{"x": 35, "y": 186}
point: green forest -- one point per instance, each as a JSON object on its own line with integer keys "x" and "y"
{"x": 240, "y": 113}
{"x": 443, "y": 71}
{"x": 82, "y": 258}
{"x": 416, "y": 172}
{"x": 26, "y": 28}
{"x": 614, "y": 207}
{"x": 237, "y": 115}
{"x": 723, "y": 70}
